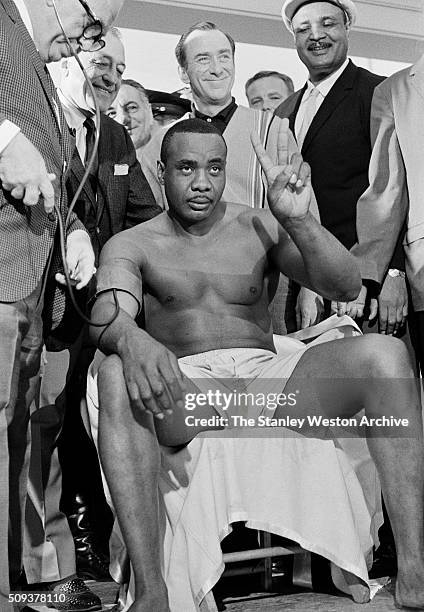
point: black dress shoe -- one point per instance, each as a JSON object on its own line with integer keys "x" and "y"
{"x": 73, "y": 596}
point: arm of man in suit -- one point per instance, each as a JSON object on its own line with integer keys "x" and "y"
{"x": 141, "y": 204}
{"x": 381, "y": 213}
{"x": 23, "y": 171}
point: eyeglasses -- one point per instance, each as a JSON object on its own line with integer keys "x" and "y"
{"x": 91, "y": 39}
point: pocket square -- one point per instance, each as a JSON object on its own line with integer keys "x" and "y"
{"x": 121, "y": 169}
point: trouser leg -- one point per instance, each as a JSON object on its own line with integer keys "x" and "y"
{"x": 49, "y": 553}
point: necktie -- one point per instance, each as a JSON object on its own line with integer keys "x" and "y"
{"x": 310, "y": 111}
{"x": 89, "y": 144}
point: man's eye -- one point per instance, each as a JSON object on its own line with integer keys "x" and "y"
{"x": 186, "y": 170}
{"x": 203, "y": 60}
{"x": 225, "y": 57}
{"x": 111, "y": 113}
{"x": 132, "y": 108}
{"x": 215, "y": 170}
{"x": 101, "y": 65}
{"x": 302, "y": 30}
{"x": 328, "y": 23}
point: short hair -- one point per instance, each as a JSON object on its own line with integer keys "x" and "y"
{"x": 136, "y": 85}
{"x": 202, "y": 26}
{"x": 187, "y": 126}
{"x": 270, "y": 73}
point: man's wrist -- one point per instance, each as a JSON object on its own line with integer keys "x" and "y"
{"x": 8, "y": 131}
{"x": 295, "y": 222}
{"x": 395, "y": 273}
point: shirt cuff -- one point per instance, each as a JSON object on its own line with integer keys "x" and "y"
{"x": 8, "y": 131}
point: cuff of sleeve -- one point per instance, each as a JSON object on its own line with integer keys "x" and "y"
{"x": 109, "y": 278}
{"x": 8, "y": 131}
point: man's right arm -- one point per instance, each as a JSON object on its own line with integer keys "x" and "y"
{"x": 153, "y": 379}
{"x": 382, "y": 209}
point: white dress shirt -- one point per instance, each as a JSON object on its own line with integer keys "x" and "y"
{"x": 323, "y": 88}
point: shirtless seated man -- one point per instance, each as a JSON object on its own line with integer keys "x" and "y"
{"x": 208, "y": 268}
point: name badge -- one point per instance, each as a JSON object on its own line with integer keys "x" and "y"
{"x": 121, "y": 169}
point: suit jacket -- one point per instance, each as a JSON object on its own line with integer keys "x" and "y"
{"x": 122, "y": 199}
{"x": 338, "y": 148}
{"x": 28, "y": 98}
{"x": 396, "y": 191}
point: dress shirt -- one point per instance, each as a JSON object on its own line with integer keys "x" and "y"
{"x": 222, "y": 119}
{"x": 323, "y": 88}
{"x": 75, "y": 119}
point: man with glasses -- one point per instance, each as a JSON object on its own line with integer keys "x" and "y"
{"x": 35, "y": 150}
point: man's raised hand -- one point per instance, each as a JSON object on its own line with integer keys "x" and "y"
{"x": 289, "y": 191}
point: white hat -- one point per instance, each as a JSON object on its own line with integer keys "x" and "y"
{"x": 290, "y": 7}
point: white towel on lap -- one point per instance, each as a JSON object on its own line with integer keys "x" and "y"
{"x": 311, "y": 491}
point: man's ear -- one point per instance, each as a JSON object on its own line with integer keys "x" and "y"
{"x": 161, "y": 172}
{"x": 183, "y": 75}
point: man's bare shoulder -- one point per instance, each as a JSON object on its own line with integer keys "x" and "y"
{"x": 135, "y": 243}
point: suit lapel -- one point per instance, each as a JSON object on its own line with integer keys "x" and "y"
{"x": 104, "y": 173}
{"x": 78, "y": 170}
{"x": 334, "y": 97}
{"x": 293, "y": 113}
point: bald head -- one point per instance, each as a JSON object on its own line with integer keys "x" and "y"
{"x": 75, "y": 17}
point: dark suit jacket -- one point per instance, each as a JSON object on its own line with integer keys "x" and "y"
{"x": 124, "y": 199}
{"x": 28, "y": 98}
{"x": 338, "y": 148}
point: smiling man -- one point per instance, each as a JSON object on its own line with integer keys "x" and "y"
{"x": 330, "y": 117}
{"x": 116, "y": 196}
{"x": 132, "y": 109}
{"x": 35, "y": 150}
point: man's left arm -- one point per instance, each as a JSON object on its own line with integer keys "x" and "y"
{"x": 304, "y": 250}
{"x": 381, "y": 212}
{"x": 141, "y": 204}
{"x": 309, "y": 305}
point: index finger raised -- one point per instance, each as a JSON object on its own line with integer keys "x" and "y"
{"x": 262, "y": 155}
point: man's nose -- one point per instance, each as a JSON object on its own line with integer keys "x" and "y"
{"x": 201, "y": 181}
{"x": 215, "y": 66}
{"x": 317, "y": 31}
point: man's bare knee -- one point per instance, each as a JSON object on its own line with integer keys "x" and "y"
{"x": 385, "y": 357}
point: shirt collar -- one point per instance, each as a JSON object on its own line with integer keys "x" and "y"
{"x": 325, "y": 85}
{"x": 74, "y": 116}
{"x": 23, "y": 11}
{"x": 224, "y": 115}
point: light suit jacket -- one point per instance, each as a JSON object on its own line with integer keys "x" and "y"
{"x": 396, "y": 191}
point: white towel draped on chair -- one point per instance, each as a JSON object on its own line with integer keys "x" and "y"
{"x": 321, "y": 494}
